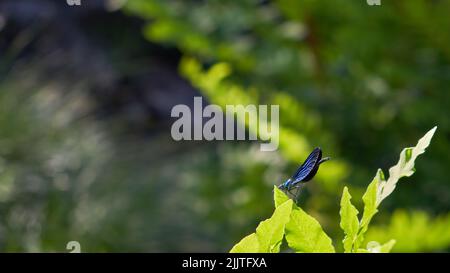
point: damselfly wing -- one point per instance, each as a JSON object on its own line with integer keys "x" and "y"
{"x": 304, "y": 173}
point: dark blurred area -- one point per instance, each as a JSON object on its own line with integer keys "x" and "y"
{"x": 86, "y": 94}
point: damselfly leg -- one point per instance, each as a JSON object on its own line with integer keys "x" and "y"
{"x": 295, "y": 192}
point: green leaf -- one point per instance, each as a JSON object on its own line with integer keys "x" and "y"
{"x": 304, "y": 233}
{"x": 249, "y": 244}
{"x": 386, "y": 248}
{"x": 375, "y": 247}
{"x": 349, "y": 220}
{"x": 379, "y": 188}
{"x": 405, "y": 165}
{"x": 279, "y": 196}
{"x": 370, "y": 206}
{"x": 269, "y": 233}
{"x": 370, "y": 199}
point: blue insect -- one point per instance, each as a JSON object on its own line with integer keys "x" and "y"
{"x": 304, "y": 173}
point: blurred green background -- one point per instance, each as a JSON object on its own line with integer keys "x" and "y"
{"x": 85, "y": 98}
